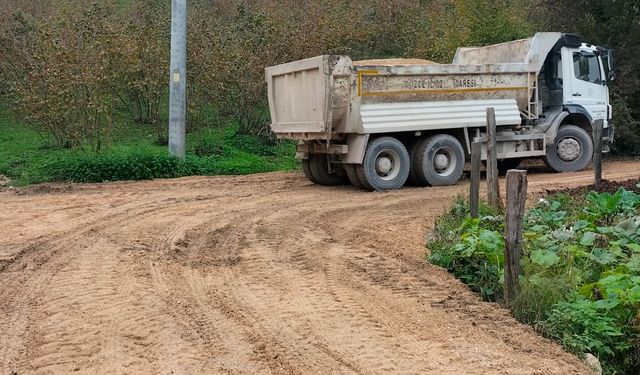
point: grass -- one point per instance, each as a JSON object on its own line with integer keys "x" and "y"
{"x": 27, "y": 158}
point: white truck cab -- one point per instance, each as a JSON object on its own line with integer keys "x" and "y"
{"x": 585, "y": 85}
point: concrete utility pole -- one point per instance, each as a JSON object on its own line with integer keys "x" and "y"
{"x": 178, "y": 78}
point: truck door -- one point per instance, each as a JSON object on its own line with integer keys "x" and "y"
{"x": 584, "y": 82}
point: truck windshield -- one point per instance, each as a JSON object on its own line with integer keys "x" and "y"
{"x": 586, "y": 68}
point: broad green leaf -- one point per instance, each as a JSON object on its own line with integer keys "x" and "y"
{"x": 635, "y": 247}
{"x": 588, "y": 238}
{"x": 607, "y": 303}
{"x": 563, "y": 235}
{"x": 581, "y": 224}
{"x": 491, "y": 241}
{"x": 628, "y": 226}
{"x": 539, "y": 228}
{"x": 633, "y": 294}
{"x": 544, "y": 258}
{"x": 602, "y": 257}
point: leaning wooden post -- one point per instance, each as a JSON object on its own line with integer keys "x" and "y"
{"x": 474, "y": 190}
{"x": 597, "y": 152}
{"x": 493, "y": 189}
{"x": 516, "y": 197}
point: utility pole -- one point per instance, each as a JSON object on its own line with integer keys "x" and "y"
{"x": 178, "y": 78}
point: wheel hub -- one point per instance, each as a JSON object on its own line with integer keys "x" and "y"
{"x": 441, "y": 161}
{"x": 387, "y": 165}
{"x": 568, "y": 149}
{"x": 383, "y": 165}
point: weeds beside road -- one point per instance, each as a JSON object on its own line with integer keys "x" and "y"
{"x": 581, "y": 268}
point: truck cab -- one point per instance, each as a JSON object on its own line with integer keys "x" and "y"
{"x": 586, "y": 87}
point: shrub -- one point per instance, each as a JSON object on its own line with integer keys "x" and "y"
{"x": 114, "y": 167}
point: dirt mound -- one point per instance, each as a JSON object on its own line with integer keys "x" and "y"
{"x": 46, "y": 188}
{"x": 606, "y": 186}
{"x": 392, "y": 62}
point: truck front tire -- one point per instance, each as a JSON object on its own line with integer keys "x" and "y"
{"x": 438, "y": 160}
{"x": 572, "y": 150}
{"x": 385, "y": 165}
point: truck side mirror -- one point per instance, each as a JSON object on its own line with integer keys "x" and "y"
{"x": 611, "y": 76}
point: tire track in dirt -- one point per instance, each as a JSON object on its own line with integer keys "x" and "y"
{"x": 90, "y": 278}
{"x": 248, "y": 274}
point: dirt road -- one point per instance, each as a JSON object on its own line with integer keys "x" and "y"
{"x": 251, "y": 274}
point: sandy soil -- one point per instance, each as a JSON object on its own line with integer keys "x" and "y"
{"x": 251, "y": 274}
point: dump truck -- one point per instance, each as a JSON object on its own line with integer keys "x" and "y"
{"x": 381, "y": 123}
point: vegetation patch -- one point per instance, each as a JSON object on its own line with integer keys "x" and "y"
{"x": 581, "y": 268}
{"x": 28, "y": 158}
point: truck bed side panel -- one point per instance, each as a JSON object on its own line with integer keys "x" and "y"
{"x": 432, "y": 115}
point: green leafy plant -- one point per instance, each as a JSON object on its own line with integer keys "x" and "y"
{"x": 473, "y": 249}
{"x": 582, "y": 327}
{"x": 580, "y": 281}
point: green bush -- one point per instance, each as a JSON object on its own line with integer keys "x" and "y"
{"x": 114, "y": 167}
{"x": 145, "y": 165}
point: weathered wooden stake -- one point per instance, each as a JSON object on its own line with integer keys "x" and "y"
{"x": 516, "y": 197}
{"x": 493, "y": 188}
{"x": 597, "y": 152}
{"x": 474, "y": 190}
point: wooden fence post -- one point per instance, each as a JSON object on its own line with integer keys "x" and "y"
{"x": 597, "y": 152}
{"x": 474, "y": 190}
{"x": 493, "y": 189}
{"x": 516, "y": 197}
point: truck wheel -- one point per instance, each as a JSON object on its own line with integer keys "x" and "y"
{"x": 352, "y": 174}
{"x": 318, "y": 169}
{"x": 438, "y": 160}
{"x": 572, "y": 150}
{"x": 306, "y": 167}
{"x": 385, "y": 165}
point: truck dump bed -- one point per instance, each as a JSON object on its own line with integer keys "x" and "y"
{"x": 329, "y": 96}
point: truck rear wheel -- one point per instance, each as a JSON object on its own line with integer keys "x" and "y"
{"x": 438, "y": 160}
{"x": 571, "y": 151}
{"x": 316, "y": 168}
{"x": 352, "y": 173}
{"x": 385, "y": 165}
{"x": 306, "y": 168}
